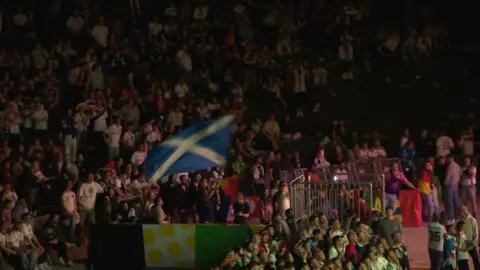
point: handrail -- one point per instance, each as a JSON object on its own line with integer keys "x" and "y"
{"x": 297, "y": 179}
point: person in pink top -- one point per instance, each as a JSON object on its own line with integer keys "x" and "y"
{"x": 393, "y": 181}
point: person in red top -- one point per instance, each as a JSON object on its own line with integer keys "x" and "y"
{"x": 351, "y": 253}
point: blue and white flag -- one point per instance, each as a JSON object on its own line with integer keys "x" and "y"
{"x": 198, "y": 147}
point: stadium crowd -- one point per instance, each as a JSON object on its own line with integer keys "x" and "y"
{"x": 89, "y": 87}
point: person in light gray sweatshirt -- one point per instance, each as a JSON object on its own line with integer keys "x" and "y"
{"x": 389, "y": 225}
{"x": 450, "y": 190}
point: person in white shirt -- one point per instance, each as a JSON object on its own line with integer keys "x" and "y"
{"x": 8, "y": 253}
{"x": 181, "y": 89}
{"x": 365, "y": 152}
{"x": 462, "y": 248}
{"x": 12, "y": 121}
{"x": 320, "y": 161}
{"x": 20, "y": 18}
{"x": 444, "y": 145}
{"x": 69, "y": 205}
{"x": 87, "y": 196}
{"x": 471, "y": 235}
{"x": 26, "y": 227}
{"x": 154, "y": 135}
{"x": 436, "y": 235}
{"x": 129, "y": 139}
{"x": 379, "y": 150}
{"x": 100, "y": 33}
{"x": 158, "y": 214}
{"x": 16, "y": 241}
{"x": 40, "y": 118}
{"x": 122, "y": 185}
{"x": 467, "y": 142}
{"x": 183, "y": 58}
{"x": 258, "y": 172}
{"x": 76, "y": 24}
{"x": 176, "y": 118}
{"x": 212, "y": 106}
{"x": 139, "y": 156}
{"x": 320, "y": 76}
{"x": 200, "y": 13}
{"x": 345, "y": 55}
{"x": 100, "y": 120}
{"x": 154, "y": 28}
{"x": 112, "y": 137}
{"x": 341, "y": 172}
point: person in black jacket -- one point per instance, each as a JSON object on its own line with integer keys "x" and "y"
{"x": 181, "y": 192}
{"x": 241, "y": 210}
{"x": 53, "y": 237}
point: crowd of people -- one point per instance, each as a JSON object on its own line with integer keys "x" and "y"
{"x": 371, "y": 243}
{"x": 89, "y": 88}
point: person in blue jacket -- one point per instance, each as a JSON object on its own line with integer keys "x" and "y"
{"x": 449, "y": 250}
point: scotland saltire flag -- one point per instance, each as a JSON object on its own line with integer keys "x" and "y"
{"x": 198, "y": 147}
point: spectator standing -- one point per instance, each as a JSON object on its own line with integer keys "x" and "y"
{"x": 112, "y": 136}
{"x": 69, "y": 131}
{"x": 450, "y": 189}
{"x": 462, "y": 256}
{"x": 444, "y": 145}
{"x": 69, "y": 210}
{"x": 425, "y": 186}
{"x": 392, "y": 186}
{"x": 471, "y": 235}
{"x": 424, "y": 145}
{"x": 468, "y": 189}
{"x": 181, "y": 200}
{"x": 100, "y": 33}
{"x": 238, "y": 166}
{"x": 409, "y": 158}
{"x": 281, "y": 200}
{"x": 389, "y": 225}
{"x": 467, "y": 141}
{"x": 436, "y": 236}
{"x": 449, "y": 249}
{"x": 87, "y": 196}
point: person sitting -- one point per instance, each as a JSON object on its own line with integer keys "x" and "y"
{"x": 53, "y": 237}
{"x": 18, "y": 244}
{"x": 9, "y": 255}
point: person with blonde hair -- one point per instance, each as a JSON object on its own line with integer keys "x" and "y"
{"x": 241, "y": 210}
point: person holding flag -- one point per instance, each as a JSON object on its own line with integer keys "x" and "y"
{"x": 201, "y": 146}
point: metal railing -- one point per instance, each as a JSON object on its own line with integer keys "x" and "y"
{"x": 335, "y": 198}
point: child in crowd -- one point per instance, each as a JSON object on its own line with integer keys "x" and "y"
{"x": 449, "y": 250}
{"x": 462, "y": 251}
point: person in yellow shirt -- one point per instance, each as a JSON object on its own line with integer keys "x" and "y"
{"x": 424, "y": 185}
{"x": 272, "y": 127}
